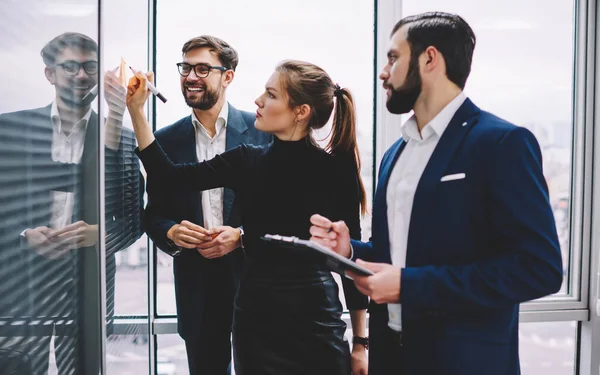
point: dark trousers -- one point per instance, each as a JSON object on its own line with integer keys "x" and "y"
{"x": 210, "y": 354}
{"x": 386, "y": 355}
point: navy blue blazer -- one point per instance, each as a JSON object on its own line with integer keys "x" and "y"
{"x": 477, "y": 248}
{"x": 194, "y": 273}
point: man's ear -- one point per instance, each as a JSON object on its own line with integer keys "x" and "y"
{"x": 50, "y": 74}
{"x": 431, "y": 59}
{"x": 228, "y": 77}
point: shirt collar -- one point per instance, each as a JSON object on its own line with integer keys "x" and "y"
{"x": 221, "y": 120}
{"x": 437, "y": 125}
{"x": 55, "y": 116}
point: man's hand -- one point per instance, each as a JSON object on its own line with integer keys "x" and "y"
{"x": 226, "y": 239}
{"x": 188, "y": 235}
{"x": 359, "y": 361}
{"x": 335, "y": 236}
{"x": 383, "y": 286}
{"x": 39, "y": 240}
{"x": 79, "y": 234}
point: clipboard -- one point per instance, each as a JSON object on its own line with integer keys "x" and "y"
{"x": 334, "y": 261}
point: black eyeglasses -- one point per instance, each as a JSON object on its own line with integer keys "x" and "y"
{"x": 71, "y": 67}
{"x": 201, "y": 70}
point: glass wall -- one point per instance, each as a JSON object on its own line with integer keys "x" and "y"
{"x": 50, "y": 248}
{"x": 66, "y": 162}
{"x": 548, "y": 348}
{"x": 124, "y": 39}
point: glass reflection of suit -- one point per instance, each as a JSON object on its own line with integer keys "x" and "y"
{"x": 37, "y": 176}
{"x": 50, "y": 179}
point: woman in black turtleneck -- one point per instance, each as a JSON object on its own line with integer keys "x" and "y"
{"x": 287, "y": 316}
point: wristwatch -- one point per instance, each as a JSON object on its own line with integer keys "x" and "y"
{"x": 175, "y": 250}
{"x": 241, "y": 238}
{"x": 364, "y": 341}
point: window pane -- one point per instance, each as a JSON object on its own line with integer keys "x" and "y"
{"x": 274, "y": 31}
{"x": 523, "y": 72}
{"x": 131, "y": 286}
{"x": 49, "y": 168}
{"x": 165, "y": 290}
{"x": 170, "y": 355}
{"x": 127, "y": 265}
{"x": 127, "y": 354}
{"x": 548, "y": 348}
{"x": 129, "y": 249}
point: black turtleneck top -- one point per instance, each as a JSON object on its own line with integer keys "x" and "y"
{"x": 281, "y": 185}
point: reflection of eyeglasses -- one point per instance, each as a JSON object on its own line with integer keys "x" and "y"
{"x": 201, "y": 70}
{"x": 71, "y": 68}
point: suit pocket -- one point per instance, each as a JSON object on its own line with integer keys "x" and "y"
{"x": 453, "y": 177}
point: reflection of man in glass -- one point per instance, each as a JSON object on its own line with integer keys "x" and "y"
{"x": 49, "y": 214}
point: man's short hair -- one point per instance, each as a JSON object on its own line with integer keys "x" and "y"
{"x": 449, "y": 34}
{"x": 67, "y": 40}
{"x": 226, "y": 54}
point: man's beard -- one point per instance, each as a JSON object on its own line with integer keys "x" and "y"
{"x": 208, "y": 99}
{"x": 403, "y": 99}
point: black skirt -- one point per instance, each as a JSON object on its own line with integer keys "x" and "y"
{"x": 289, "y": 323}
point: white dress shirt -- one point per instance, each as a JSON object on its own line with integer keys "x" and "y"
{"x": 403, "y": 184}
{"x": 66, "y": 148}
{"x": 208, "y": 147}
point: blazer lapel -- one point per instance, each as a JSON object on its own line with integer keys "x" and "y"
{"x": 187, "y": 138}
{"x": 380, "y": 206}
{"x": 457, "y": 129}
{"x": 235, "y": 136}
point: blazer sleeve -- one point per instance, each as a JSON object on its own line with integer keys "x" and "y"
{"x": 157, "y": 225}
{"x": 528, "y": 263}
{"x": 362, "y": 250}
{"x": 224, "y": 170}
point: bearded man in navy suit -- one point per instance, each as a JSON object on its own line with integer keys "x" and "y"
{"x": 201, "y": 230}
{"x": 463, "y": 231}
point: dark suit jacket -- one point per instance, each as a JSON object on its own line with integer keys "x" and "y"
{"x": 34, "y": 285}
{"x": 477, "y": 248}
{"x": 193, "y": 273}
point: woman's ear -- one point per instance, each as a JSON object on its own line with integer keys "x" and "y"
{"x": 302, "y": 112}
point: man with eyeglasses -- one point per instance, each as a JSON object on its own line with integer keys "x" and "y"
{"x": 49, "y": 213}
{"x": 201, "y": 230}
